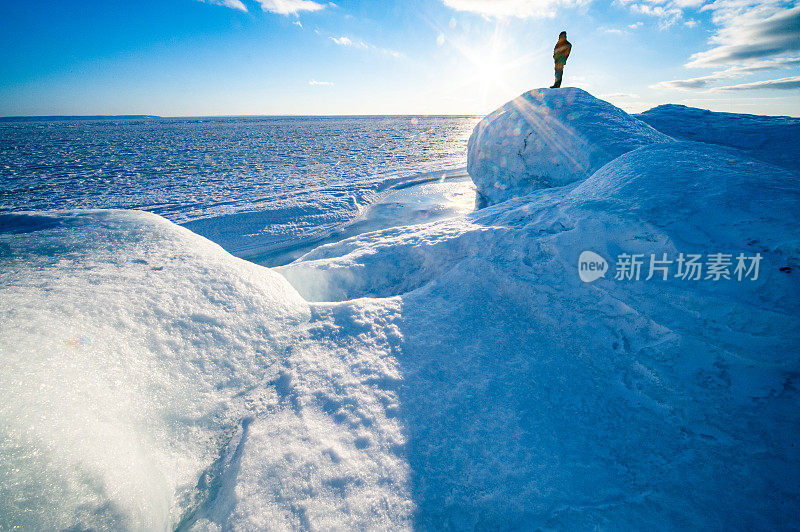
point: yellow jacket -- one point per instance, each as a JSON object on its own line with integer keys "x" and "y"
{"x": 561, "y": 51}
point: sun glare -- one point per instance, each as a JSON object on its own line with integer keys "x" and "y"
{"x": 490, "y": 68}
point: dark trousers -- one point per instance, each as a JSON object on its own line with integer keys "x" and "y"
{"x": 559, "y": 75}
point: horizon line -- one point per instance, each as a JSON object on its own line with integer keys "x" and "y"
{"x": 287, "y": 115}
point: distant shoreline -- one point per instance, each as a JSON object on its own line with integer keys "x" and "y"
{"x": 68, "y": 117}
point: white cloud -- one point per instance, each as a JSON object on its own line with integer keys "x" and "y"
{"x": 320, "y": 83}
{"x": 749, "y": 31}
{"x": 235, "y": 4}
{"x": 668, "y": 15}
{"x": 298, "y": 23}
{"x": 792, "y": 82}
{"x": 289, "y": 7}
{"x": 703, "y": 82}
{"x": 347, "y": 41}
{"x": 358, "y": 43}
{"x": 281, "y": 7}
{"x": 683, "y": 4}
{"x": 667, "y": 11}
{"x": 749, "y": 36}
{"x": 512, "y": 8}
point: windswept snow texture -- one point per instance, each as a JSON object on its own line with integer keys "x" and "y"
{"x": 548, "y": 138}
{"x": 773, "y": 139}
{"x": 456, "y": 374}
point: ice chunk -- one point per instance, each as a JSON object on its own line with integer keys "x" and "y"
{"x": 547, "y": 138}
{"x": 151, "y": 381}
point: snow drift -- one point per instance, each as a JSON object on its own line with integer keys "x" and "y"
{"x": 534, "y": 400}
{"x": 449, "y": 375}
{"x": 549, "y": 137}
{"x": 773, "y": 139}
{"x": 151, "y": 381}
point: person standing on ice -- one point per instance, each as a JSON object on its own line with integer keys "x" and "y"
{"x": 560, "y": 54}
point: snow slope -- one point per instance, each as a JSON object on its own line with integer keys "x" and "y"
{"x": 148, "y": 379}
{"x": 773, "y": 139}
{"x": 450, "y": 375}
{"x": 535, "y": 400}
{"x": 547, "y": 138}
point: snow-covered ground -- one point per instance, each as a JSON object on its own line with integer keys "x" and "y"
{"x": 769, "y": 138}
{"x": 456, "y": 374}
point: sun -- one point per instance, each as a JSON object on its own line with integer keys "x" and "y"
{"x": 489, "y": 67}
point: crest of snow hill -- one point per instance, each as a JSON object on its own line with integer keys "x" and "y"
{"x": 552, "y": 137}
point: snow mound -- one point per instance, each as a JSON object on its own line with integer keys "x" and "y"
{"x": 151, "y": 381}
{"x": 693, "y": 190}
{"x": 774, "y": 139}
{"x": 122, "y": 365}
{"x": 547, "y": 138}
{"x": 534, "y": 400}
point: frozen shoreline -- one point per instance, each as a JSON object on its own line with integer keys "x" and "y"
{"x": 450, "y": 373}
{"x": 420, "y": 198}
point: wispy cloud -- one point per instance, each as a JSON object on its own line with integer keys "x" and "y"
{"x": 512, "y": 8}
{"x": 234, "y": 4}
{"x": 792, "y": 82}
{"x": 668, "y": 14}
{"x": 360, "y": 44}
{"x": 281, "y": 7}
{"x": 322, "y": 83}
{"x": 289, "y": 7}
{"x": 702, "y": 82}
{"x": 347, "y": 41}
{"x": 750, "y": 36}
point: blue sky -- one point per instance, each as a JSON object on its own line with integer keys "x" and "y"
{"x": 240, "y": 57}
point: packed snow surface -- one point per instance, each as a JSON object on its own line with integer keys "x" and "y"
{"x": 456, "y": 374}
{"x": 773, "y": 139}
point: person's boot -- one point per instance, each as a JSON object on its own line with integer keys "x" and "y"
{"x": 559, "y": 77}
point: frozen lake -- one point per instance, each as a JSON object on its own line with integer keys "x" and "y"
{"x": 259, "y": 186}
